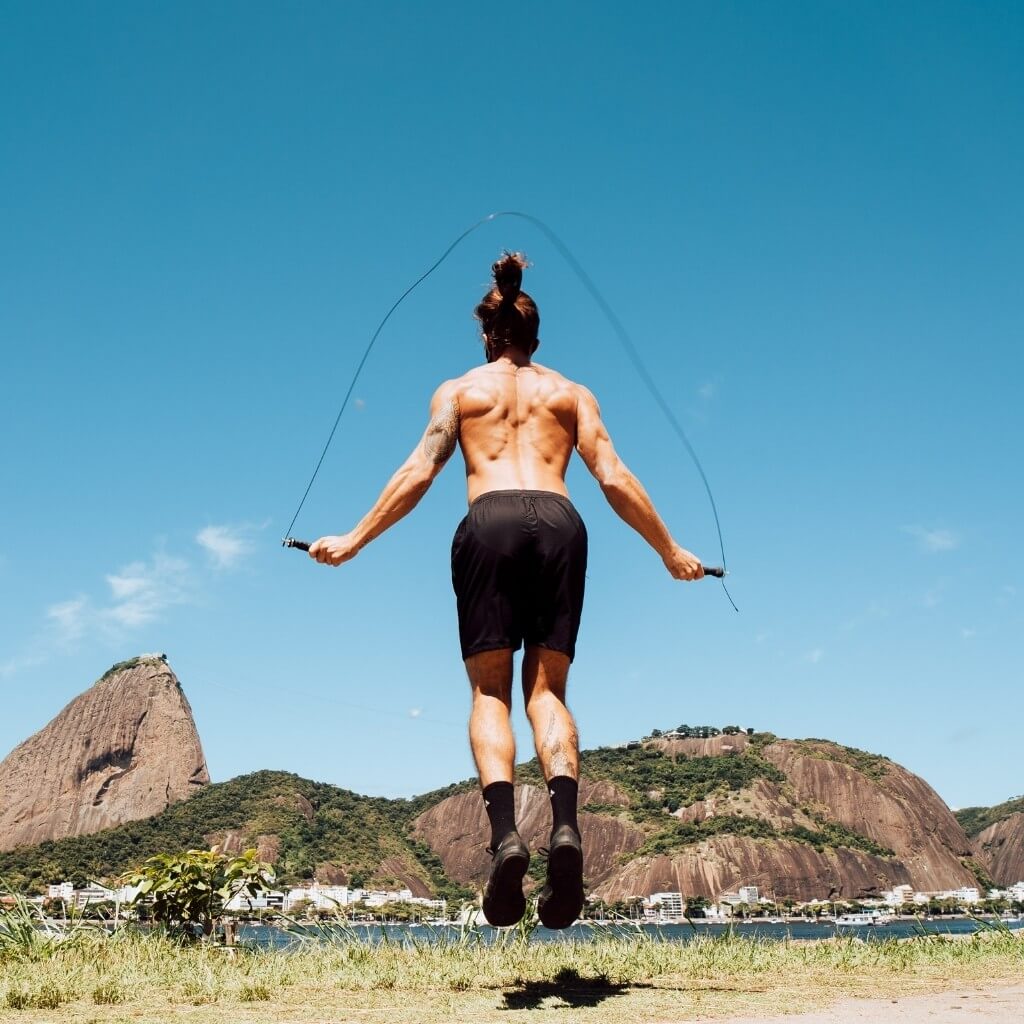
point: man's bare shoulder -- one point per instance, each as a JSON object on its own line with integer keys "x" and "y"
{"x": 579, "y": 392}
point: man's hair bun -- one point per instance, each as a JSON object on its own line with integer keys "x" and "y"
{"x": 507, "y": 315}
{"x": 508, "y": 275}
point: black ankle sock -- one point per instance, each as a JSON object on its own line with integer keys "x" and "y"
{"x": 564, "y": 793}
{"x": 500, "y": 804}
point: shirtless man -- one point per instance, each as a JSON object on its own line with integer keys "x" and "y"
{"x": 518, "y": 564}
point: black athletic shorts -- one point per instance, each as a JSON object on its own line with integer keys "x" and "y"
{"x": 519, "y": 562}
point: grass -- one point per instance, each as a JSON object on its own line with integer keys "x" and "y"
{"x": 94, "y": 979}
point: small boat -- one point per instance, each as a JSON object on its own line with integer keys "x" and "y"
{"x": 867, "y": 919}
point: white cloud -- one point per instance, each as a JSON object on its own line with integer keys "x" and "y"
{"x": 226, "y": 545}
{"x": 139, "y": 593}
{"x": 68, "y": 619}
{"x": 415, "y": 712}
{"x": 814, "y": 656}
{"x": 360, "y": 404}
{"x": 142, "y": 590}
{"x": 933, "y": 539}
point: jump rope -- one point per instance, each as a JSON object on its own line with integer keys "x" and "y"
{"x": 719, "y": 572}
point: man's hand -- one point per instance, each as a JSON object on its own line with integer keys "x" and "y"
{"x": 682, "y": 564}
{"x": 334, "y": 550}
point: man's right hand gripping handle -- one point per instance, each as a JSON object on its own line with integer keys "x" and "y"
{"x": 684, "y": 565}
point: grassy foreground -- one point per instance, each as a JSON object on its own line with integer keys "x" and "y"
{"x": 143, "y": 979}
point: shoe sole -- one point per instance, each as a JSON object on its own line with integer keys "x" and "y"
{"x": 565, "y": 876}
{"x": 507, "y": 892}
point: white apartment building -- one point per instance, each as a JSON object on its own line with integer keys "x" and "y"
{"x": 330, "y": 897}
{"x": 748, "y": 894}
{"x": 264, "y": 899}
{"x": 966, "y": 894}
{"x": 664, "y": 906}
{"x": 94, "y": 893}
{"x": 899, "y": 895}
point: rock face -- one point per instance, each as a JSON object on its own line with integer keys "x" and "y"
{"x": 458, "y": 832}
{"x": 1000, "y": 848}
{"x": 125, "y": 749}
{"x": 825, "y": 784}
{"x": 893, "y": 807}
{"x": 778, "y": 867}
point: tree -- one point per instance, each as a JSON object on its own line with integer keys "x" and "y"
{"x": 696, "y": 905}
{"x": 190, "y": 889}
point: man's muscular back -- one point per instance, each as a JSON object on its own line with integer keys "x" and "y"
{"x": 518, "y": 422}
{"x": 517, "y": 426}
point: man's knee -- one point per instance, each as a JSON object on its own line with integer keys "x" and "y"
{"x": 490, "y": 674}
{"x": 544, "y": 672}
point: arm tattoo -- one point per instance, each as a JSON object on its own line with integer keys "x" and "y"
{"x": 442, "y": 433}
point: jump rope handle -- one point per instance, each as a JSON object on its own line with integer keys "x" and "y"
{"x": 302, "y": 545}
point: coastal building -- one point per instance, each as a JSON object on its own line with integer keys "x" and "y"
{"x": 966, "y": 894}
{"x": 90, "y": 894}
{"x": 748, "y": 894}
{"x": 898, "y": 895}
{"x": 1016, "y": 892}
{"x": 664, "y": 906}
{"x": 264, "y": 899}
{"x": 322, "y": 897}
{"x": 331, "y": 897}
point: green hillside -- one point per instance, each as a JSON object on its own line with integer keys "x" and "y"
{"x": 316, "y": 823}
{"x": 976, "y": 819}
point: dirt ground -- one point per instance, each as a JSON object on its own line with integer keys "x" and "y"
{"x": 988, "y": 1005}
{"x": 544, "y": 1003}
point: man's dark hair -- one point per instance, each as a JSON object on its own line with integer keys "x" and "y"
{"x": 507, "y": 315}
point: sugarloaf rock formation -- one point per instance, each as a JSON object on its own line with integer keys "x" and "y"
{"x": 127, "y": 748}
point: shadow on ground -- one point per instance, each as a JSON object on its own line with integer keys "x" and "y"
{"x": 568, "y": 986}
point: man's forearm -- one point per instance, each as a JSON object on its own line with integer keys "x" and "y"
{"x": 399, "y": 497}
{"x": 633, "y": 505}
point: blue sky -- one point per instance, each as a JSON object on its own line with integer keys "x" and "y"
{"x": 808, "y": 216}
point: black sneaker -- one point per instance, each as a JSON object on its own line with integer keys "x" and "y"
{"x": 561, "y": 899}
{"x": 504, "y": 902}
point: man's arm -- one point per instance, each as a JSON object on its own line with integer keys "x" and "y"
{"x": 410, "y": 482}
{"x": 624, "y": 492}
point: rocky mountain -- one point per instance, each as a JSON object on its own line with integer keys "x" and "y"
{"x": 998, "y": 837}
{"x": 798, "y": 818}
{"x": 127, "y": 748}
